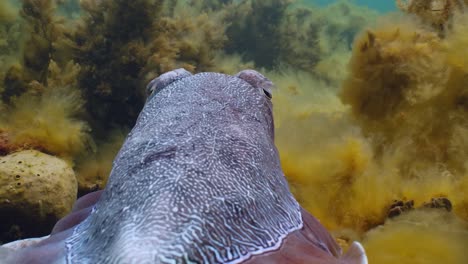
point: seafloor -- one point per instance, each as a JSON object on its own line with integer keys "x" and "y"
{"x": 371, "y": 108}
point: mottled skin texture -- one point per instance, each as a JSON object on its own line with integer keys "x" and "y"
{"x": 198, "y": 180}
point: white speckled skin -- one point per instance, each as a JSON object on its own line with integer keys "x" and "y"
{"x": 198, "y": 180}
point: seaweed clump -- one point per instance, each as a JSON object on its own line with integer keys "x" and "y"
{"x": 254, "y": 31}
{"x": 49, "y": 122}
{"x": 319, "y": 40}
{"x": 111, "y": 52}
{"x": 122, "y": 44}
{"x": 436, "y": 13}
{"x": 46, "y": 39}
{"x": 399, "y": 132}
{"x": 41, "y": 102}
{"x": 189, "y": 35}
{"x": 406, "y": 89}
{"x": 404, "y": 92}
{"x": 11, "y": 39}
{"x": 42, "y": 27}
{"x": 278, "y": 34}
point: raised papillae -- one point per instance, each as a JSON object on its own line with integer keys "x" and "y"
{"x": 198, "y": 180}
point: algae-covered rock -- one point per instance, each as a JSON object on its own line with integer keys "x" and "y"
{"x": 36, "y": 190}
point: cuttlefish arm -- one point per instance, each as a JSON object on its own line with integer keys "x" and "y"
{"x": 50, "y": 249}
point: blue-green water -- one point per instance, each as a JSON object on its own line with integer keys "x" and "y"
{"x": 380, "y": 5}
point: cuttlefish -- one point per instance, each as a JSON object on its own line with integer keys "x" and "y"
{"x": 197, "y": 180}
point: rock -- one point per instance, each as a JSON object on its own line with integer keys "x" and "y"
{"x": 398, "y": 207}
{"x": 439, "y": 202}
{"x": 36, "y": 190}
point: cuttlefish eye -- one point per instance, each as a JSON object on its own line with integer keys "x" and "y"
{"x": 267, "y": 93}
{"x": 165, "y": 79}
{"x": 257, "y": 80}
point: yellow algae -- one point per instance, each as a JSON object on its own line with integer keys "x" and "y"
{"x": 45, "y": 118}
{"x": 337, "y": 179}
{"x": 300, "y": 93}
{"x": 327, "y": 161}
{"x": 425, "y": 236}
{"x": 93, "y": 169}
{"x": 47, "y": 124}
{"x": 403, "y": 137}
{"x": 392, "y": 69}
